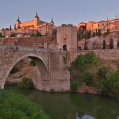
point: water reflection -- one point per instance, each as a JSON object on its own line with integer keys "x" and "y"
{"x": 83, "y": 117}
{"x": 66, "y": 105}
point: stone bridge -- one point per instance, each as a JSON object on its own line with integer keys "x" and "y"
{"x": 51, "y": 64}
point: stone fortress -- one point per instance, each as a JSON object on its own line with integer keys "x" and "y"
{"x": 30, "y": 27}
{"x": 53, "y": 55}
{"x": 33, "y": 26}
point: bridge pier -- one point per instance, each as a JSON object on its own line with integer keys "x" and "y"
{"x": 2, "y": 85}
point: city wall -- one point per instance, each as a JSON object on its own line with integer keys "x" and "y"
{"x": 108, "y": 54}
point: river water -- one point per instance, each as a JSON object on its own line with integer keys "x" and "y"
{"x": 73, "y": 105}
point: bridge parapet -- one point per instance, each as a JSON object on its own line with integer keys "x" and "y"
{"x": 28, "y": 48}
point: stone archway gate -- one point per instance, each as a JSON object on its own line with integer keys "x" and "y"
{"x": 52, "y": 75}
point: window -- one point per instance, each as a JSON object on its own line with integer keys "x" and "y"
{"x": 65, "y": 47}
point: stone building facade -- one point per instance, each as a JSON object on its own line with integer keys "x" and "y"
{"x": 34, "y": 26}
{"x": 103, "y": 25}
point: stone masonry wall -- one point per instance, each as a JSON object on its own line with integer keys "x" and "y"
{"x": 107, "y": 54}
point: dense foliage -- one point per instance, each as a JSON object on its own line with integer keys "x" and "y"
{"x": 88, "y": 69}
{"x": 16, "y": 106}
{"x": 74, "y": 86}
{"x": 108, "y": 81}
{"x": 81, "y": 68}
{"x": 13, "y": 35}
{"x": 83, "y": 33}
{"x": 38, "y": 34}
{"x": 32, "y": 63}
{"x": 26, "y": 83}
{"x": 1, "y": 36}
{"x": 14, "y": 70}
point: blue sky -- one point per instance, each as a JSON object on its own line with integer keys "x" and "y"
{"x": 62, "y": 11}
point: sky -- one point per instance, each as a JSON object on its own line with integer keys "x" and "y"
{"x": 62, "y": 11}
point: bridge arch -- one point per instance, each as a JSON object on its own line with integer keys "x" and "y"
{"x": 41, "y": 64}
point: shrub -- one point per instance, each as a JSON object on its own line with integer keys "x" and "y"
{"x": 32, "y": 63}
{"x": 74, "y": 86}
{"x": 16, "y": 106}
{"x": 32, "y": 35}
{"x": 14, "y": 70}
{"x": 13, "y": 35}
{"x": 103, "y": 82}
{"x": 88, "y": 78}
{"x": 38, "y": 34}
{"x": 26, "y": 83}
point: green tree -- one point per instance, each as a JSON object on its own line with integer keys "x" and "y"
{"x": 13, "y": 35}
{"x": 38, "y": 34}
{"x": 14, "y": 70}
{"x": 93, "y": 35}
{"x": 26, "y": 83}
{"x": 32, "y": 63}
{"x": 81, "y": 65}
{"x": 88, "y": 34}
{"x": 16, "y": 106}
{"x": 32, "y": 35}
{"x": 88, "y": 77}
{"x": 108, "y": 31}
{"x": 102, "y": 79}
{"x": 113, "y": 80}
{"x": 111, "y": 43}
{"x": 81, "y": 33}
{"x": 99, "y": 32}
{"x": 74, "y": 86}
{"x": 104, "y": 44}
{"x": 1, "y": 35}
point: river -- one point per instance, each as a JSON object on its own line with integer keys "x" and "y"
{"x": 73, "y": 105}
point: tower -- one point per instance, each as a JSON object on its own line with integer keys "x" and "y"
{"x": 36, "y": 20}
{"x": 10, "y": 27}
{"x": 67, "y": 39}
{"x": 52, "y": 22}
{"x": 17, "y": 25}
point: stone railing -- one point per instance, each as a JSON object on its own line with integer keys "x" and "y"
{"x": 28, "y": 48}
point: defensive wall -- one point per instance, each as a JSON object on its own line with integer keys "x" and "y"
{"x": 108, "y": 54}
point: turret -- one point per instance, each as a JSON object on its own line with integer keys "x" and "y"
{"x": 36, "y": 20}
{"x": 10, "y": 27}
{"x": 18, "y": 23}
{"x": 52, "y": 22}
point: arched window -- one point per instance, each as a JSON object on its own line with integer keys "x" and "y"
{"x": 65, "y": 47}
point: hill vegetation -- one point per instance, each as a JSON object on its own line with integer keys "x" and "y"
{"x": 92, "y": 71}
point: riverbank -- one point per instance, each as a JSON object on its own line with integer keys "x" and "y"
{"x": 88, "y": 89}
{"x": 66, "y": 105}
